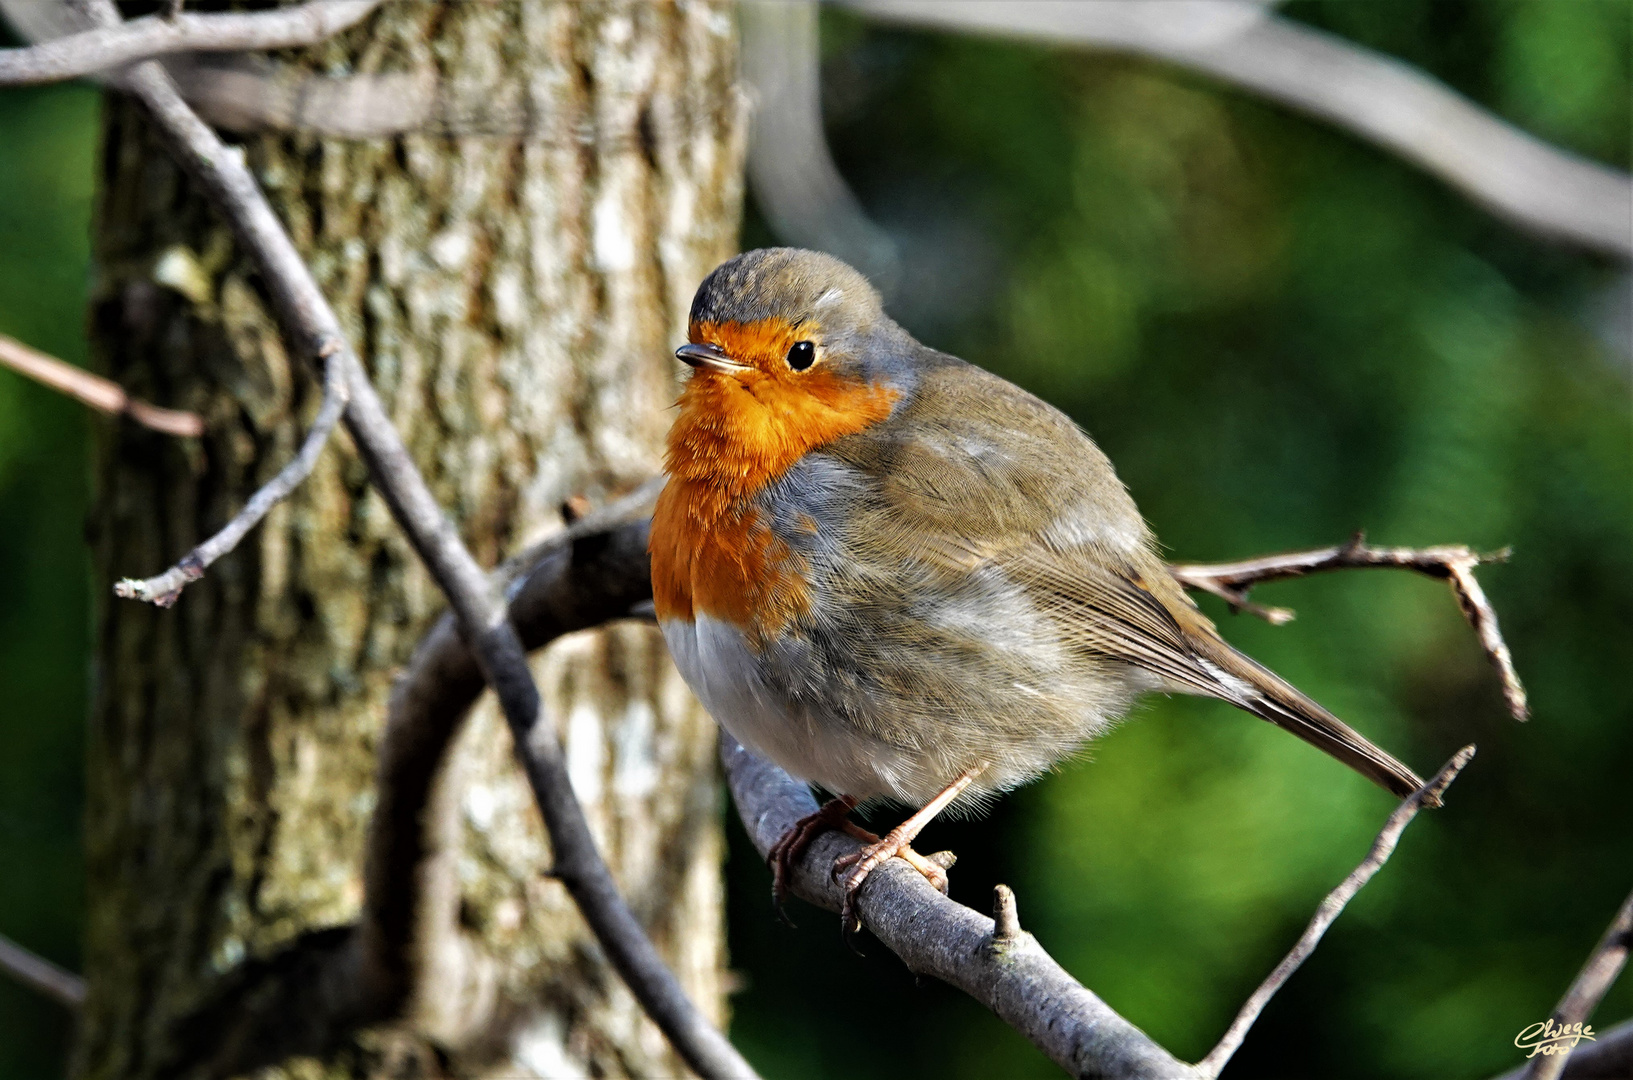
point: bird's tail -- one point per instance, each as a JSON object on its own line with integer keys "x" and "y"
{"x": 1254, "y": 687}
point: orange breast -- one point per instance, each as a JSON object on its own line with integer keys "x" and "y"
{"x": 728, "y": 566}
{"x": 711, "y": 550}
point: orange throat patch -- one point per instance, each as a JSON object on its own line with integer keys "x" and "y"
{"x": 712, "y": 552}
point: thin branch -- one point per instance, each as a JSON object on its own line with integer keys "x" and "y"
{"x": 1453, "y": 563}
{"x": 1590, "y": 985}
{"x": 41, "y": 975}
{"x": 106, "y": 47}
{"x": 101, "y": 394}
{"x": 1331, "y": 908}
{"x": 1372, "y": 95}
{"x": 166, "y": 588}
{"x": 308, "y": 324}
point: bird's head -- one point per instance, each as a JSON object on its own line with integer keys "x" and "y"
{"x": 790, "y": 350}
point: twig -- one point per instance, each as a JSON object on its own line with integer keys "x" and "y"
{"x": 1377, "y": 97}
{"x": 166, "y": 588}
{"x": 1330, "y": 909}
{"x": 41, "y": 975}
{"x": 156, "y": 35}
{"x": 306, "y": 318}
{"x": 93, "y": 390}
{"x": 1596, "y": 977}
{"x": 1454, "y": 563}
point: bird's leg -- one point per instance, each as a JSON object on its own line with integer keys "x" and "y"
{"x": 898, "y": 842}
{"x": 792, "y": 844}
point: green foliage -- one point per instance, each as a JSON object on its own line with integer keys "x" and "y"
{"x": 47, "y": 171}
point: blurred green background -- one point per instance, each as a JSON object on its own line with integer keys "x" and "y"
{"x": 1279, "y": 335}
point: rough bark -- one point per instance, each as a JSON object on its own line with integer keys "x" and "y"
{"x": 516, "y": 300}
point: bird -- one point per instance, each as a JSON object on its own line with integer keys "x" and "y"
{"x": 905, "y": 579}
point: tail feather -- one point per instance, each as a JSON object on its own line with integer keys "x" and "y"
{"x": 1255, "y": 688}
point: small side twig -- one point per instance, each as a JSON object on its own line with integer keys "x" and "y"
{"x": 101, "y": 394}
{"x": 1453, "y": 563}
{"x": 1331, "y": 908}
{"x": 176, "y": 31}
{"x": 1590, "y": 985}
{"x": 39, "y": 974}
{"x": 166, "y": 588}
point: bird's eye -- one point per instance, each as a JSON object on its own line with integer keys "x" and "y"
{"x": 801, "y": 355}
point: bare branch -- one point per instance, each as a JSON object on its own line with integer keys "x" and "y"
{"x": 41, "y": 975}
{"x": 1596, "y": 977}
{"x": 108, "y": 47}
{"x": 1331, "y": 908}
{"x": 308, "y": 324}
{"x": 166, "y": 588}
{"x": 933, "y": 935}
{"x": 102, "y": 394}
{"x": 1384, "y": 101}
{"x": 1453, "y": 563}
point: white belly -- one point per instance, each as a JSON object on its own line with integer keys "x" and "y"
{"x": 725, "y": 675}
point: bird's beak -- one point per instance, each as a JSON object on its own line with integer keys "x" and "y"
{"x": 708, "y": 356}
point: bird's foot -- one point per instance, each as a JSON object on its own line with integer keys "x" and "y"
{"x": 792, "y": 844}
{"x": 896, "y": 844}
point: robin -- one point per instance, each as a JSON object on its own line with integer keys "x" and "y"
{"x": 899, "y": 576}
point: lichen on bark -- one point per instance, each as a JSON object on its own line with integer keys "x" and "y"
{"x": 516, "y": 298}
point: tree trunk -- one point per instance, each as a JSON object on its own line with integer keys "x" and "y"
{"x": 516, "y": 297}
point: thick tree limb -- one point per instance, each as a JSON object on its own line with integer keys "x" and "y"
{"x": 166, "y": 588}
{"x": 41, "y": 975}
{"x": 310, "y": 326}
{"x": 1590, "y": 985}
{"x": 101, "y": 394}
{"x": 1384, "y": 101}
{"x": 1452, "y": 562}
{"x": 106, "y": 47}
{"x": 1331, "y": 908}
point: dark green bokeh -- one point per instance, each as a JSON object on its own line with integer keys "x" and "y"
{"x": 47, "y": 142}
{"x": 1279, "y": 335}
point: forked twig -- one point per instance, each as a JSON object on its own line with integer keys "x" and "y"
{"x": 1330, "y": 908}
{"x": 166, "y": 588}
{"x": 39, "y": 974}
{"x": 1453, "y": 563}
{"x": 101, "y": 394}
{"x": 1589, "y": 986}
